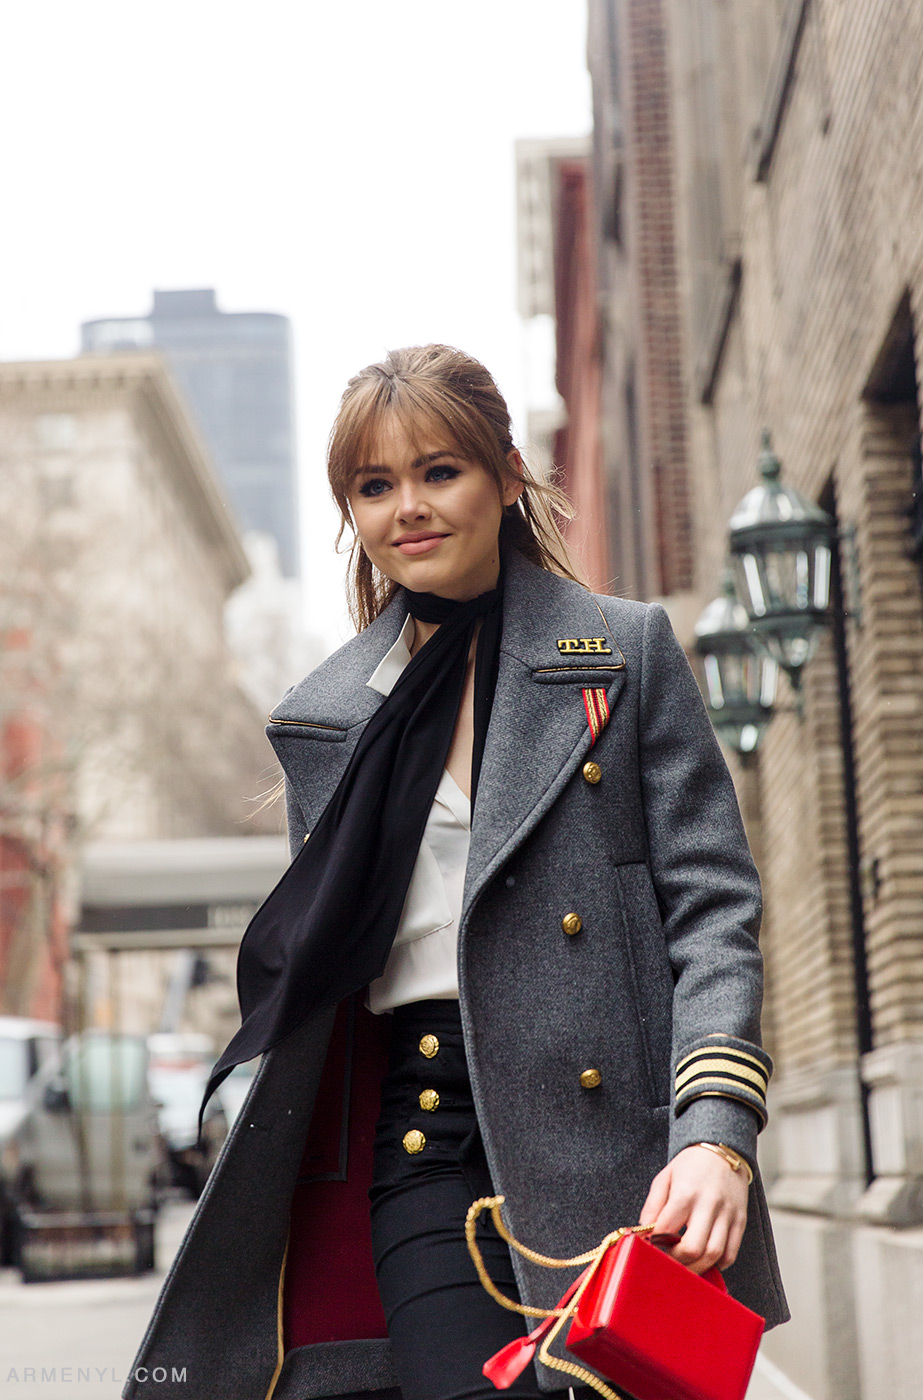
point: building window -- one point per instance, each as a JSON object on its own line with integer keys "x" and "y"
{"x": 916, "y": 506}
{"x": 56, "y": 432}
{"x": 894, "y": 384}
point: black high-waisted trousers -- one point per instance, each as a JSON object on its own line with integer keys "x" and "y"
{"x": 442, "y": 1324}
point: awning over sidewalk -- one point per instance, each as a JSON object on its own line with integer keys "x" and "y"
{"x": 175, "y": 894}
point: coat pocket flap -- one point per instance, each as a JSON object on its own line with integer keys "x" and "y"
{"x": 305, "y": 729}
{"x": 579, "y": 675}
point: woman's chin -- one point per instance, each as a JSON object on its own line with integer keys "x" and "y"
{"x": 423, "y": 575}
{"x": 429, "y": 574}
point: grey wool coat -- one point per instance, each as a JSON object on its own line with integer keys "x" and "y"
{"x": 652, "y": 857}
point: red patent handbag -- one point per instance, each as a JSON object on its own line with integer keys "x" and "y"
{"x": 639, "y": 1318}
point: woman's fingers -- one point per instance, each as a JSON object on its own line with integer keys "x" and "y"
{"x": 715, "y": 1246}
{"x": 706, "y": 1235}
{"x": 675, "y": 1214}
{"x": 701, "y": 1195}
{"x": 656, "y": 1197}
{"x": 735, "y": 1236}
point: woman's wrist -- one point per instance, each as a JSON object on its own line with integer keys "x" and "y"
{"x": 716, "y": 1120}
{"x": 734, "y": 1160}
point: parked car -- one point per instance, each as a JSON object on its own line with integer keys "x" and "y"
{"x": 84, "y": 1162}
{"x": 26, "y": 1045}
{"x": 178, "y": 1072}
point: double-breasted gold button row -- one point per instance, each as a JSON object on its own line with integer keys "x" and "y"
{"x": 571, "y": 924}
{"x": 415, "y": 1141}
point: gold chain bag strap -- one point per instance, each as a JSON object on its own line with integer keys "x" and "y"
{"x": 563, "y": 1314}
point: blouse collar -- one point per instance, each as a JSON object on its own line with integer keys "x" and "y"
{"x": 384, "y": 677}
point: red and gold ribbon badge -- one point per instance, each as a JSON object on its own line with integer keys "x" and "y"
{"x": 597, "y": 711}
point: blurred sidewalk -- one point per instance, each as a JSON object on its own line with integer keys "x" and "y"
{"x": 769, "y": 1383}
{"x": 83, "y": 1334}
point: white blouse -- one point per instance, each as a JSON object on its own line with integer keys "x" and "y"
{"x": 423, "y": 959}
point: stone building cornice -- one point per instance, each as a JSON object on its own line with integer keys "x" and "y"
{"x": 141, "y": 382}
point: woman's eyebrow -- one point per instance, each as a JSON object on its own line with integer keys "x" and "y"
{"x": 417, "y": 462}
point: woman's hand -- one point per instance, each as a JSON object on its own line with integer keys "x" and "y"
{"x": 700, "y": 1190}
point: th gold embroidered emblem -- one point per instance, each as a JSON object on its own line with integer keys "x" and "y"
{"x": 583, "y": 646}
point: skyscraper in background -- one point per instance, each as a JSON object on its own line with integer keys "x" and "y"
{"x": 235, "y": 369}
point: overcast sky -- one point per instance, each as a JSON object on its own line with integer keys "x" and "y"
{"x": 346, "y": 162}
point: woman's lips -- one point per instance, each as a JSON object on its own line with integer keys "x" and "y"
{"x": 420, "y": 546}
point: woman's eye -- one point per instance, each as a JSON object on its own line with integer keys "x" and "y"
{"x": 378, "y": 485}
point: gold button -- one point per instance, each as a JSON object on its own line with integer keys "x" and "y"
{"x": 414, "y": 1141}
{"x": 429, "y": 1046}
{"x": 589, "y": 1079}
{"x": 592, "y": 772}
{"x": 306, "y": 835}
{"x": 429, "y": 1100}
{"x": 572, "y": 923}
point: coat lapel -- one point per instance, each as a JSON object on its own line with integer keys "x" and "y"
{"x": 539, "y": 727}
{"x": 316, "y": 726}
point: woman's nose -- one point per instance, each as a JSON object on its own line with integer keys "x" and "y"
{"x": 411, "y": 504}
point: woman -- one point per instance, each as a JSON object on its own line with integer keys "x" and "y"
{"x": 534, "y": 964}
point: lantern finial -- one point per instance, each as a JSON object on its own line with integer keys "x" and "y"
{"x": 769, "y": 464}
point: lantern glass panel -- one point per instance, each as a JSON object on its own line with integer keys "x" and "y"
{"x": 822, "y": 562}
{"x": 786, "y": 574}
{"x": 712, "y": 669}
{"x": 733, "y": 673}
{"x": 769, "y": 680}
{"x": 753, "y": 586}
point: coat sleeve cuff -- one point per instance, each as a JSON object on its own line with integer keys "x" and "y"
{"x": 723, "y": 1067}
{"x": 716, "y": 1120}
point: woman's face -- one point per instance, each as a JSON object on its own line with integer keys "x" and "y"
{"x": 428, "y": 518}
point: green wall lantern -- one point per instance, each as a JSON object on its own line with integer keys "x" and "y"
{"x": 740, "y": 678}
{"x": 782, "y": 553}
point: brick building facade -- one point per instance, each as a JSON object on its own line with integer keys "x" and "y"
{"x": 644, "y": 414}
{"x": 556, "y": 259}
{"x": 759, "y": 179}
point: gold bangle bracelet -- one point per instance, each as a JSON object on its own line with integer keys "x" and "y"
{"x": 733, "y": 1159}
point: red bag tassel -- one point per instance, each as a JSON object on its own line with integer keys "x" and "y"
{"x": 510, "y": 1361}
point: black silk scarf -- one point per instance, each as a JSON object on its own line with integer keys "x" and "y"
{"x": 327, "y": 927}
